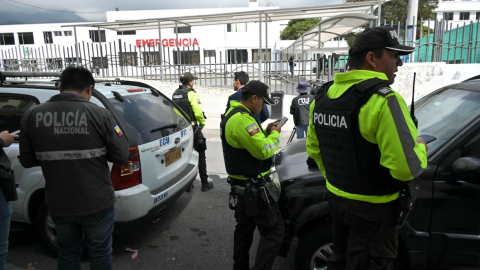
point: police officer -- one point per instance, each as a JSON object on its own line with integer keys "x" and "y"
{"x": 247, "y": 150}
{"x": 366, "y": 146}
{"x": 300, "y": 109}
{"x": 189, "y": 101}
{"x": 8, "y": 193}
{"x": 72, "y": 140}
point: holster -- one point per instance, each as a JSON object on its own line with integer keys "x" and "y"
{"x": 7, "y": 184}
{"x": 406, "y": 199}
{"x": 199, "y": 142}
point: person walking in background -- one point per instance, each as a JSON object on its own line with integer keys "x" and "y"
{"x": 300, "y": 109}
{"x": 240, "y": 79}
{"x": 290, "y": 63}
{"x": 7, "y": 195}
{"x": 79, "y": 193}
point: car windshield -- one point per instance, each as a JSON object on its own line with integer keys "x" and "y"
{"x": 146, "y": 112}
{"x": 446, "y": 112}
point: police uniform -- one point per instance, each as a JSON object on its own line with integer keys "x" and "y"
{"x": 247, "y": 151}
{"x": 73, "y": 140}
{"x": 364, "y": 142}
{"x": 189, "y": 101}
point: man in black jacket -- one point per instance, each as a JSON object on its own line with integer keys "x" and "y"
{"x": 73, "y": 140}
{"x": 300, "y": 109}
{"x": 8, "y": 193}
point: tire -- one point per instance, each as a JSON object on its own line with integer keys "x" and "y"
{"x": 46, "y": 229}
{"x": 314, "y": 248}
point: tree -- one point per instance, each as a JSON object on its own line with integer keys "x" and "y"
{"x": 396, "y": 11}
{"x": 296, "y": 28}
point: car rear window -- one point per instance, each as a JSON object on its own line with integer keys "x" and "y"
{"x": 446, "y": 112}
{"x": 145, "y": 112}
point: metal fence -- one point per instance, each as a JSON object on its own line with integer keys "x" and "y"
{"x": 444, "y": 42}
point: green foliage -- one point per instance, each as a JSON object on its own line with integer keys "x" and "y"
{"x": 296, "y": 28}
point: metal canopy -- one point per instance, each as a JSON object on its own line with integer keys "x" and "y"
{"x": 330, "y": 28}
{"x": 239, "y": 17}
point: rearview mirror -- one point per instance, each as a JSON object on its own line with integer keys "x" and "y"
{"x": 467, "y": 169}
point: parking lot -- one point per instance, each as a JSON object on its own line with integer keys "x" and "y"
{"x": 196, "y": 232}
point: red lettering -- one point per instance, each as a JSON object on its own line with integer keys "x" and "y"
{"x": 189, "y": 41}
{"x": 165, "y": 42}
{"x": 195, "y": 41}
{"x": 179, "y": 42}
{"x": 138, "y": 42}
{"x": 144, "y": 41}
{"x": 171, "y": 42}
{"x": 185, "y": 39}
{"x": 150, "y": 43}
{"x": 157, "y": 41}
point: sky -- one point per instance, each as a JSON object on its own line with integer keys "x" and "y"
{"x": 12, "y": 10}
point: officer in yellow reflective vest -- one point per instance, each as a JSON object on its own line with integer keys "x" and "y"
{"x": 367, "y": 148}
{"x": 247, "y": 150}
{"x": 189, "y": 101}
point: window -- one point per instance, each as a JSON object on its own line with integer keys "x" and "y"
{"x": 209, "y": 53}
{"x": 47, "y": 37}
{"x": 255, "y": 55}
{"x": 10, "y": 65}
{"x": 183, "y": 30}
{"x": 187, "y": 57}
{"x": 67, "y": 33}
{"x": 465, "y": 16}
{"x": 151, "y": 59}
{"x": 94, "y": 35}
{"x": 124, "y": 33}
{"x": 12, "y": 109}
{"x": 237, "y": 27}
{"x": 241, "y": 56}
{"x": 57, "y": 33}
{"x": 25, "y": 38}
{"x": 7, "y": 39}
{"x": 448, "y": 16}
{"x": 144, "y": 112}
{"x": 337, "y": 38}
{"x": 128, "y": 59}
{"x": 54, "y": 63}
{"x": 97, "y": 62}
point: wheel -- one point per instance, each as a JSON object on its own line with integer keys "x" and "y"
{"x": 46, "y": 229}
{"x": 314, "y": 248}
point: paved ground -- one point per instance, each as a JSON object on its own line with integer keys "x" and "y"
{"x": 196, "y": 232}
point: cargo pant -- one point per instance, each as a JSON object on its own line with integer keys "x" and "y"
{"x": 365, "y": 235}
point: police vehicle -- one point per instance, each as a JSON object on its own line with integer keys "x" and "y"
{"x": 162, "y": 163}
{"x": 443, "y": 229}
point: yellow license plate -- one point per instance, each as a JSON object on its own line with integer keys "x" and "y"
{"x": 173, "y": 156}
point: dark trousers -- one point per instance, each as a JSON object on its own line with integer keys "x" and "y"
{"x": 202, "y": 164}
{"x": 365, "y": 235}
{"x": 271, "y": 228}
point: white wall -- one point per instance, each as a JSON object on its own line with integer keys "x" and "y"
{"x": 430, "y": 76}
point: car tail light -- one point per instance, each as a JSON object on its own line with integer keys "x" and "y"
{"x": 135, "y": 90}
{"x": 128, "y": 174}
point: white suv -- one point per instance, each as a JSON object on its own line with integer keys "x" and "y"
{"x": 162, "y": 163}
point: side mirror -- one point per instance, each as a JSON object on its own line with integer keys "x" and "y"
{"x": 467, "y": 169}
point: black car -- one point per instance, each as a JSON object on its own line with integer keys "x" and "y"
{"x": 443, "y": 230}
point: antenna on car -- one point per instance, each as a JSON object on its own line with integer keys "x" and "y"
{"x": 412, "y": 107}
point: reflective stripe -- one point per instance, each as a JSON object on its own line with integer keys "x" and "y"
{"x": 272, "y": 146}
{"x": 72, "y": 154}
{"x": 408, "y": 143}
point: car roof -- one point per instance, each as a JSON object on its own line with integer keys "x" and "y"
{"x": 105, "y": 87}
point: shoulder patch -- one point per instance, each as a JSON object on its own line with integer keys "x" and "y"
{"x": 252, "y": 129}
{"x": 198, "y": 101}
{"x": 384, "y": 91}
{"x": 118, "y": 130}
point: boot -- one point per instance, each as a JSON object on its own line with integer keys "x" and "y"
{"x": 207, "y": 185}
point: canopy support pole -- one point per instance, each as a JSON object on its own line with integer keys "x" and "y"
{"x": 379, "y": 14}
{"x": 260, "y": 74}
{"x": 160, "y": 50}
{"x": 178, "y": 50}
{"x": 266, "y": 47}
{"x": 101, "y": 51}
{"x": 76, "y": 44}
{"x": 303, "y": 59}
